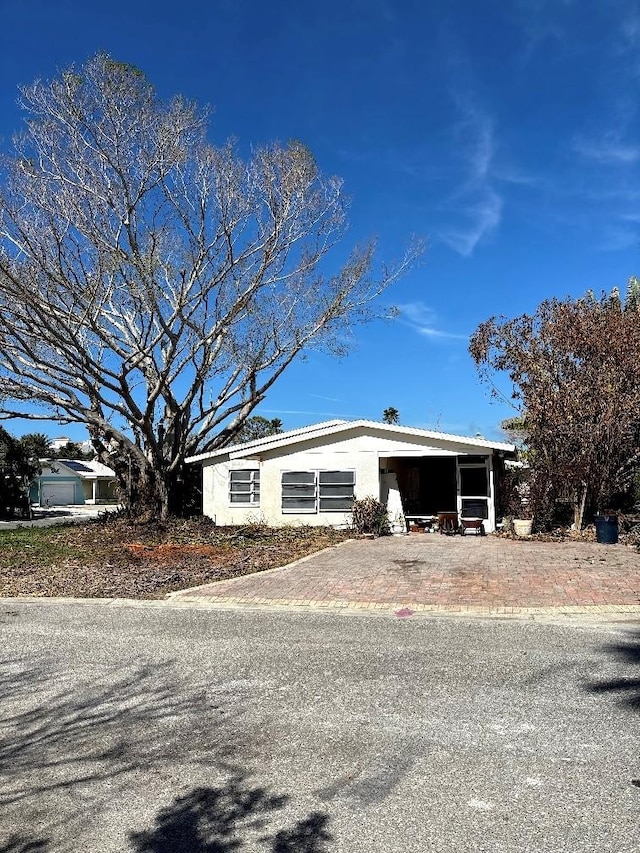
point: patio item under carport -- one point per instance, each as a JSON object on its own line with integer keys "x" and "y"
{"x": 476, "y": 524}
{"x": 448, "y": 523}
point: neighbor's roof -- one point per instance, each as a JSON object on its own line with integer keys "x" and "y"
{"x": 86, "y": 470}
{"x": 331, "y": 428}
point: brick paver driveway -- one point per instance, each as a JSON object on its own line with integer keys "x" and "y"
{"x": 431, "y": 572}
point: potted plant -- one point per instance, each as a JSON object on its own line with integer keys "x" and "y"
{"x": 517, "y": 500}
{"x": 523, "y": 515}
{"x": 522, "y": 526}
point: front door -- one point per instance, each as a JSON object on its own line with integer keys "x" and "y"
{"x": 474, "y": 488}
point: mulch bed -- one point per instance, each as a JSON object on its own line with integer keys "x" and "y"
{"x": 626, "y": 536}
{"x": 118, "y": 559}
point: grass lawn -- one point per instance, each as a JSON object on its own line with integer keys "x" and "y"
{"x": 118, "y": 559}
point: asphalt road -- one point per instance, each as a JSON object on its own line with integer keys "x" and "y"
{"x": 48, "y": 517}
{"x": 156, "y": 729}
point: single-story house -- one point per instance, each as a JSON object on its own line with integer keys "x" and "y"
{"x": 312, "y": 475}
{"x": 73, "y": 481}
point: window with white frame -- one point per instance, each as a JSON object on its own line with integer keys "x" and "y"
{"x": 244, "y": 487}
{"x": 317, "y": 491}
{"x": 336, "y": 490}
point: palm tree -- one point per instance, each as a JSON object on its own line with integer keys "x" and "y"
{"x": 391, "y": 416}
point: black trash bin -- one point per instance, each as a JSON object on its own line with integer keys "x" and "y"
{"x": 607, "y": 529}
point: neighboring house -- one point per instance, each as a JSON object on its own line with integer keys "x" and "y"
{"x": 312, "y": 475}
{"x": 73, "y": 481}
{"x": 57, "y": 444}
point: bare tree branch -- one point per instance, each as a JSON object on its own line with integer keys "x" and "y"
{"x": 153, "y": 286}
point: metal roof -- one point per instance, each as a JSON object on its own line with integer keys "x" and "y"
{"x": 85, "y": 469}
{"x": 329, "y": 428}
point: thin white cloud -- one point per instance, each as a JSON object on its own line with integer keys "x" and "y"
{"x": 475, "y": 205}
{"x": 631, "y": 216}
{"x": 542, "y": 26}
{"x": 630, "y": 30}
{"x": 474, "y": 138}
{"x": 617, "y": 238}
{"x": 304, "y": 412}
{"x": 511, "y": 175}
{"x": 609, "y": 150}
{"x": 423, "y": 320}
{"x": 616, "y": 193}
{"x": 322, "y": 397}
{"x": 483, "y": 217}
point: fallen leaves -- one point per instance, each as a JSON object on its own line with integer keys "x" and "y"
{"x": 116, "y": 558}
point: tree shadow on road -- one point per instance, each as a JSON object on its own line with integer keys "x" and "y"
{"x": 72, "y": 754}
{"x": 221, "y": 820}
{"x": 22, "y": 844}
{"x": 626, "y": 685}
{"x": 58, "y": 736}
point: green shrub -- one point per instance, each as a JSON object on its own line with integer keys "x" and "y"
{"x": 370, "y": 516}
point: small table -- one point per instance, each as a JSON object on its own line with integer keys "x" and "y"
{"x": 424, "y": 521}
{"x": 448, "y": 522}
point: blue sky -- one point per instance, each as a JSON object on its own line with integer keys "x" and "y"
{"x": 504, "y": 131}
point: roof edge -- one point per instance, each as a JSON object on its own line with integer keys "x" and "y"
{"x": 271, "y": 442}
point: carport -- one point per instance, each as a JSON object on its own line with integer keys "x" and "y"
{"x": 452, "y": 482}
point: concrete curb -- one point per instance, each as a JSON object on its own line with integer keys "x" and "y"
{"x": 589, "y": 614}
{"x": 596, "y": 611}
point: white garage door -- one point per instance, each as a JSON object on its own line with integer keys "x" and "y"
{"x": 58, "y": 494}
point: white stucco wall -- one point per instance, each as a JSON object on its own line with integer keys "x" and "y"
{"x": 215, "y": 493}
{"x": 364, "y": 454}
{"x": 363, "y": 461}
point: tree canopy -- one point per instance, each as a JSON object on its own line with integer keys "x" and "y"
{"x": 17, "y": 470}
{"x": 36, "y": 445}
{"x": 258, "y": 427}
{"x": 391, "y": 416}
{"x": 573, "y": 369}
{"x": 154, "y": 286}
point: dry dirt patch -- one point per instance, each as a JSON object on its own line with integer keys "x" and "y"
{"x": 116, "y": 558}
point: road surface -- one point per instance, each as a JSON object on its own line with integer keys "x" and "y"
{"x": 154, "y": 728}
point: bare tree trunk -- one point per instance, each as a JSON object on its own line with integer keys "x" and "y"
{"x": 578, "y": 510}
{"x": 149, "y": 492}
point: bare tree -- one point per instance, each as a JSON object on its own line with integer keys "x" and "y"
{"x": 154, "y": 286}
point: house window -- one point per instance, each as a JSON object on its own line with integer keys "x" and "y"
{"x": 317, "y": 491}
{"x": 336, "y": 490}
{"x": 244, "y": 487}
{"x": 299, "y": 491}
